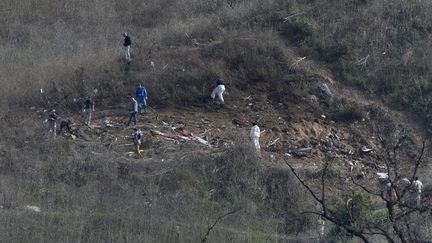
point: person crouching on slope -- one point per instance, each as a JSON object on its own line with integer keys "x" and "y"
{"x": 219, "y": 90}
{"x": 255, "y": 135}
{"x": 141, "y": 97}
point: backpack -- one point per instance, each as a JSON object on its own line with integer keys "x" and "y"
{"x": 137, "y": 136}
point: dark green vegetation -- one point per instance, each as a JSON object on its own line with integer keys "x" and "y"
{"x": 381, "y": 48}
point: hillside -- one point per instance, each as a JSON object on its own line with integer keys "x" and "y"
{"x": 88, "y": 186}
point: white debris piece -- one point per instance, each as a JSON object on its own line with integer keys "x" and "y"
{"x": 325, "y": 89}
{"x": 35, "y": 209}
{"x": 364, "y": 149}
{"x": 273, "y": 142}
{"x": 382, "y": 176}
{"x": 202, "y": 141}
{"x": 107, "y": 123}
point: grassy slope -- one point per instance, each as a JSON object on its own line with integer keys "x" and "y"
{"x": 239, "y": 40}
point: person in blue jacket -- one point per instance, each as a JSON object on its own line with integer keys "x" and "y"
{"x": 141, "y": 97}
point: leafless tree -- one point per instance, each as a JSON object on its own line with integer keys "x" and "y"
{"x": 397, "y": 225}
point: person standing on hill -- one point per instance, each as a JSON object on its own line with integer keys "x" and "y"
{"x": 219, "y": 90}
{"x": 88, "y": 110}
{"x": 255, "y": 135}
{"x": 136, "y": 135}
{"x": 141, "y": 97}
{"x": 52, "y": 123}
{"x": 417, "y": 185}
{"x": 127, "y": 43}
{"x": 134, "y": 112}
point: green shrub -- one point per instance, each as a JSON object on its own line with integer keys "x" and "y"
{"x": 358, "y": 212}
{"x": 297, "y": 28}
{"x": 329, "y": 53}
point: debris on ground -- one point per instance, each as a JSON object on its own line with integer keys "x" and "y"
{"x": 191, "y": 136}
{"x": 237, "y": 123}
{"x": 403, "y": 183}
{"x": 301, "y": 152}
{"x": 325, "y": 90}
{"x": 156, "y": 133}
{"x": 35, "y": 209}
{"x": 365, "y": 149}
{"x": 110, "y": 124}
{"x": 272, "y": 143}
{"x": 382, "y": 176}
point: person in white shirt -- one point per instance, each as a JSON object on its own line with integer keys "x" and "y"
{"x": 418, "y": 187}
{"x": 218, "y": 91}
{"x": 255, "y": 135}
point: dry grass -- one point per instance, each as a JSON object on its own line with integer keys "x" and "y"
{"x": 68, "y": 48}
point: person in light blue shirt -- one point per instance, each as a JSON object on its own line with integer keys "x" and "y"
{"x": 134, "y": 111}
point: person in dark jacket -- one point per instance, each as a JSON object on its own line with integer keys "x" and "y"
{"x": 89, "y": 106}
{"x": 52, "y": 123}
{"x": 141, "y": 97}
{"x": 66, "y": 125}
{"x": 127, "y": 43}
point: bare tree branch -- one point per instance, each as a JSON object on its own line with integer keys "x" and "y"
{"x": 304, "y": 183}
{"x": 210, "y": 227}
{"x": 366, "y": 189}
{"x": 419, "y": 159}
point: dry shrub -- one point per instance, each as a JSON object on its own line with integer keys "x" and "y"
{"x": 346, "y": 110}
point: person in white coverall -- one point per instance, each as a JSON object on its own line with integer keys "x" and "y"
{"x": 417, "y": 186}
{"x": 219, "y": 90}
{"x": 255, "y": 134}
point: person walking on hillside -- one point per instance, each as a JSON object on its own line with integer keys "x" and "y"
{"x": 141, "y": 97}
{"x": 52, "y": 123}
{"x": 127, "y": 43}
{"x": 417, "y": 186}
{"x": 89, "y": 106}
{"x": 391, "y": 198}
{"x": 136, "y": 135}
{"x": 134, "y": 112}
{"x": 325, "y": 93}
{"x": 255, "y": 135}
{"x": 219, "y": 90}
